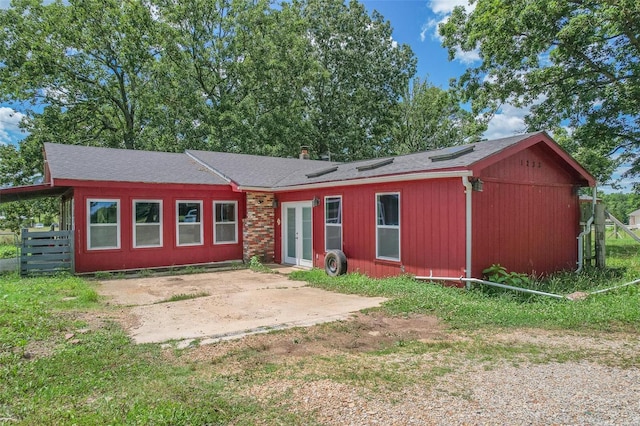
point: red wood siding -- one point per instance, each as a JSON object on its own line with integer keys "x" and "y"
{"x": 169, "y": 254}
{"x": 527, "y": 217}
{"x": 537, "y": 164}
{"x": 432, "y": 227}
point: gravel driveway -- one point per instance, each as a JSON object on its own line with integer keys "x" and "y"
{"x": 229, "y": 304}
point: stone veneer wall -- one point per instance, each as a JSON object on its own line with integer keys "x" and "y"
{"x": 258, "y": 227}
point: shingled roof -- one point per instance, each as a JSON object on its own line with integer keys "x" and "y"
{"x": 123, "y": 165}
{"x": 256, "y": 170}
{"x": 272, "y": 172}
{"x": 269, "y": 173}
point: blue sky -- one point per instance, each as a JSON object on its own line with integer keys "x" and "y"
{"x": 415, "y": 22}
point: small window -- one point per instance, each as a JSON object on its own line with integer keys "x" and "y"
{"x": 103, "y": 220}
{"x": 388, "y": 226}
{"x": 147, "y": 223}
{"x": 225, "y": 225}
{"x": 333, "y": 223}
{"x": 189, "y": 214}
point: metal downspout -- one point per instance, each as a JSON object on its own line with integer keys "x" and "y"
{"x": 468, "y": 191}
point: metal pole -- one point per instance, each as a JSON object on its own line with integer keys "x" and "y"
{"x": 509, "y": 287}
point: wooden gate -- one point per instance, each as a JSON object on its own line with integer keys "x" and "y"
{"x": 46, "y": 252}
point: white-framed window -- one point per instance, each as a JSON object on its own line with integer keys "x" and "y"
{"x": 225, "y": 222}
{"x": 333, "y": 223}
{"x": 103, "y": 224}
{"x": 147, "y": 223}
{"x": 388, "y": 226}
{"x": 189, "y": 222}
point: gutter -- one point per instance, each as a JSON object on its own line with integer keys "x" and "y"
{"x": 361, "y": 181}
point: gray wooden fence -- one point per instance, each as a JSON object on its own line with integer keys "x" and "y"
{"x": 44, "y": 253}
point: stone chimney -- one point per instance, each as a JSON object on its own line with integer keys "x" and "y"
{"x": 304, "y": 152}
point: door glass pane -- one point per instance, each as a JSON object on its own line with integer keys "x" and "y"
{"x": 291, "y": 232}
{"x": 307, "y": 248}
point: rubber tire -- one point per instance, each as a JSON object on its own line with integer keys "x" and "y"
{"x": 335, "y": 263}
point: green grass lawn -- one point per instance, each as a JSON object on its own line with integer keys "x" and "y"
{"x": 63, "y": 360}
{"x": 488, "y": 307}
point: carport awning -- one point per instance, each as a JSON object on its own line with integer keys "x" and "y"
{"x": 29, "y": 192}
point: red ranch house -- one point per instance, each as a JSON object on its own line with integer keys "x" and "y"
{"x": 448, "y": 213}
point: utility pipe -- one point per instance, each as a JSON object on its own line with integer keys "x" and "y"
{"x": 510, "y": 287}
{"x": 615, "y": 287}
{"x": 432, "y": 278}
{"x": 468, "y": 281}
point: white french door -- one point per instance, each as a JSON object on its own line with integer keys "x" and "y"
{"x": 297, "y": 233}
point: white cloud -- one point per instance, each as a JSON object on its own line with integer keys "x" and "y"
{"x": 442, "y": 9}
{"x": 445, "y": 7}
{"x": 9, "y": 122}
{"x": 508, "y": 121}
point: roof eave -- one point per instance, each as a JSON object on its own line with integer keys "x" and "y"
{"x": 363, "y": 181}
{"x": 543, "y": 137}
{"x": 30, "y": 192}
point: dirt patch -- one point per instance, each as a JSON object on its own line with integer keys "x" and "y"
{"x": 360, "y": 333}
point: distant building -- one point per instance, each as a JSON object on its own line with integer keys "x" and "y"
{"x": 634, "y": 219}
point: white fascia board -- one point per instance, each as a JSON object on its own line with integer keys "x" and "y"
{"x": 363, "y": 181}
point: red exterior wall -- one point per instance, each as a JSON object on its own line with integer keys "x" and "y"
{"x": 170, "y": 253}
{"x": 432, "y": 227}
{"x": 527, "y": 216}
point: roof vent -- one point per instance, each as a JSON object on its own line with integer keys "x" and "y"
{"x": 322, "y": 172}
{"x": 375, "y": 165}
{"x": 451, "y": 153}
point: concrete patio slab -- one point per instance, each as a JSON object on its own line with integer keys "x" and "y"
{"x": 237, "y": 303}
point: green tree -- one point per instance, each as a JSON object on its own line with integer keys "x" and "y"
{"x": 620, "y": 205}
{"x": 573, "y": 62}
{"x": 431, "y": 118}
{"x": 237, "y": 70}
{"x": 352, "y": 101}
{"x": 229, "y": 75}
{"x": 88, "y": 63}
{"x": 16, "y": 169}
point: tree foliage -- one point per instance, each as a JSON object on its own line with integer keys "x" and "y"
{"x": 431, "y": 118}
{"x": 621, "y": 205}
{"x": 88, "y": 62}
{"x": 575, "y": 63}
{"x": 15, "y": 170}
{"x": 228, "y": 75}
{"x": 352, "y": 100}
